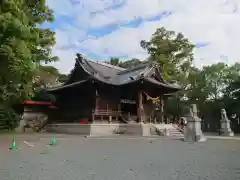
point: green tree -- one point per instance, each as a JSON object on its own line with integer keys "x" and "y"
{"x": 216, "y": 77}
{"x": 190, "y": 93}
{"x": 231, "y": 97}
{"x": 63, "y": 78}
{"x": 130, "y": 63}
{"x": 171, "y": 51}
{"x": 195, "y": 91}
{"x": 125, "y": 64}
{"x": 114, "y": 61}
{"x": 24, "y": 44}
{"x": 46, "y": 76}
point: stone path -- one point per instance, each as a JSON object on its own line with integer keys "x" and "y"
{"x": 78, "y": 158}
{"x": 224, "y": 137}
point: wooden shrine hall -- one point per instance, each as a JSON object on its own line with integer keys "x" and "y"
{"x": 102, "y": 93}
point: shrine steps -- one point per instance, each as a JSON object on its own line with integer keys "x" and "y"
{"x": 175, "y": 133}
{"x": 168, "y": 130}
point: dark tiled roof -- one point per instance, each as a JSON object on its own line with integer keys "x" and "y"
{"x": 133, "y": 73}
{"x": 114, "y": 75}
{"x": 174, "y": 86}
{"x": 105, "y": 69}
{"x": 66, "y": 86}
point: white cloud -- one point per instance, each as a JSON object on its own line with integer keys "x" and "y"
{"x": 213, "y": 21}
{"x": 216, "y": 24}
{"x": 125, "y": 41}
{"x": 131, "y": 9}
{"x": 67, "y": 60}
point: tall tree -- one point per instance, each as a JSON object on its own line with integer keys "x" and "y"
{"x": 114, "y": 61}
{"x": 172, "y": 52}
{"x": 23, "y": 46}
{"x": 231, "y": 97}
{"x": 216, "y": 77}
{"x": 46, "y": 76}
{"x": 125, "y": 64}
{"x": 130, "y": 63}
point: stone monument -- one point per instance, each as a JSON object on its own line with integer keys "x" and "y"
{"x": 193, "y": 131}
{"x": 225, "y": 129}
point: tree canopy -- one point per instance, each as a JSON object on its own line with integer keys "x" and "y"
{"x": 124, "y": 64}
{"x": 172, "y": 52}
{"x": 24, "y": 45}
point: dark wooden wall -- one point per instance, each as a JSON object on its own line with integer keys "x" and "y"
{"x": 107, "y": 99}
{"x": 75, "y": 103}
{"x": 78, "y": 102}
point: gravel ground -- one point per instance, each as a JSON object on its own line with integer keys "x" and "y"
{"x": 79, "y": 158}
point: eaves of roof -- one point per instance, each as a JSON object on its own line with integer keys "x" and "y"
{"x": 122, "y": 77}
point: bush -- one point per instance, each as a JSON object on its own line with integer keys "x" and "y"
{"x": 9, "y": 118}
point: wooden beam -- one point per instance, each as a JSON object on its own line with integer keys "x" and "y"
{"x": 140, "y": 107}
{"x": 161, "y": 108}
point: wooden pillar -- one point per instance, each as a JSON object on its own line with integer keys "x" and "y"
{"x": 110, "y": 119}
{"x": 96, "y": 100}
{"x": 119, "y": 108}
{"x": 93, "y": 116}
{"x": 161, "y": 109}
{"x": 96, "y": 105}
{"x": 119, "y": 112}
{"x": 140, "y": 107}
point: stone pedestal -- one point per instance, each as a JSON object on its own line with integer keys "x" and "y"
{"x": 225, "y": 129}
{"x": 193, "y": 131}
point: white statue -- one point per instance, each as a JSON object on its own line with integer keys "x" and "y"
{"x": 193, "y": 131}
{"x": 225, "y": 129}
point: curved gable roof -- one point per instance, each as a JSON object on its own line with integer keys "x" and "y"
{"x": 114, "y": 75}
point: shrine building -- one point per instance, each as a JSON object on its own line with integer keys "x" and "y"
{"x": 98, "y": 92}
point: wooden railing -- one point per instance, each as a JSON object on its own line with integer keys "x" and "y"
{"x": 106, "y": 113}
{"x": 110, "y": 114}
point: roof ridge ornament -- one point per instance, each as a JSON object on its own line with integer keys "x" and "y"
{"x": 79, "y": 57}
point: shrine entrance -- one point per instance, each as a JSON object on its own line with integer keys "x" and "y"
{"x": 128, "y": 106}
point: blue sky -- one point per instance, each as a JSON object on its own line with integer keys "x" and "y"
{"x": 101, "y": 29}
